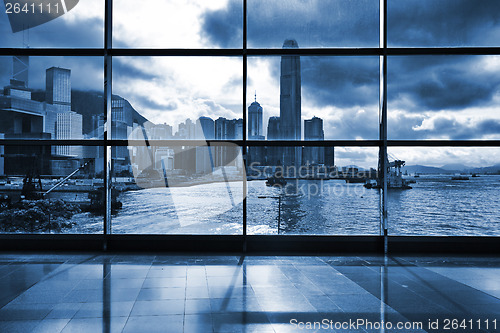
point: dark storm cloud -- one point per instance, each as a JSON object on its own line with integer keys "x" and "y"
{"x": 328, "y": 23}
{"x": 147, "y": 102}
{"x": 224, "y": 27}
{"x": 422, "y": 83}
{"x": 443, "y": 23}
{"x": 341, "y": 23}
{"x": 401, "y": 126}
{"x": 412, "y": 126}
{"x": 57, "y": 33}
{"x": 340, "y": 81}
{"x": 458, "y": 130}
{"x": 123, "y": 71}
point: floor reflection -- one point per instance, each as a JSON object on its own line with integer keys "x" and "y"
{"x": 162, "y": 293}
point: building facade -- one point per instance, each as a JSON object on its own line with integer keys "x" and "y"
{"x": 58, "y": 88}
{"x": 313, "y": 130}
{"x": 290, "y": 104}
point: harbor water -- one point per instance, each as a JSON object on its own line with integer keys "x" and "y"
{"x": 436, "y": 205}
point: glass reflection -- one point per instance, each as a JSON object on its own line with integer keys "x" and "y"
{"x": 180, "y": 189}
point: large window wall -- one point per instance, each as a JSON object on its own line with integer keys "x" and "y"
{"x": 169, "y": 119}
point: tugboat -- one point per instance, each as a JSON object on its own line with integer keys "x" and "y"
{"x": 394, "y": 178}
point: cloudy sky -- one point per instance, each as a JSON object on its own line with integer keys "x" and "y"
{"x": 430, "y": 97}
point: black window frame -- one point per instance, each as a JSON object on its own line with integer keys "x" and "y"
{"x": 383, "y": 52}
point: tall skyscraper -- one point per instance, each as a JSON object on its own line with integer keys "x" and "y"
{"x": 290, "y": 99}
{"x": 313, "y": 131}
{"x": 255, "y": 132}
{"x": 290, "y": 104}
{"x": 255, "y": 121}
{"x": 58, "y": 88}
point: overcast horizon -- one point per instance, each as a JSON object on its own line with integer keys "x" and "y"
{"x": 429, "y": 97}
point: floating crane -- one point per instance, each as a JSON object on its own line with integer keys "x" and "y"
{"x": 394, "y": 177}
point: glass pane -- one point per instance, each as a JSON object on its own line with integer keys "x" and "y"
{"x": 52, "y": 97}
{"x": 178, "y": 98}
{"x": 313, "y": 98}
{"x": 52, "y": 23}
{"x": 178, "y": 24}
{"x": 51, "y": 189}
{"x": 454, "y": 192}
{"x": 444, "y": 97}
{"x": 322, "y": 195}
{"x": 430, "y": 23}
{"x": 330, "y": 23}
{"x": 178, "y": 189}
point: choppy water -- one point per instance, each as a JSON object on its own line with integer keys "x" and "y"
{"x": 435, "y": 206}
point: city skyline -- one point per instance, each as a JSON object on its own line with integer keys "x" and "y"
{"x": 365, "y": 157}
{"x": 451, "y": 97}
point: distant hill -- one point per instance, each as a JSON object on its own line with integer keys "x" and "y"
{"x": 88, "y": 103}
{"x": 423, "y": 169}
{"x": 490, "y": 169}
{"x": 455, "y": 167}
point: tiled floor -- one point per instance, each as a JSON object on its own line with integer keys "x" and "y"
{"x": 161, "y": 293}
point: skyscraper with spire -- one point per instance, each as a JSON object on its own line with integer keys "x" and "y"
{"x": 290, "y": 104}
{"x": 255, "y": 121}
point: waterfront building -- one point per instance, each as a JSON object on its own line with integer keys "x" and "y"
{"x": 121, "y": 121}
{"x": 227, "y": 129}
{"x": 161, "y": 132}
{"x": 313, "y": 131}
{"x": 205, "y": 130}
{"x": 290, "y": 104}
{"x": 23, "y": 118}
{"x": 255, "y": 121}
{"x": 186, "y": 130}
{"x": 163, "y": 159}
{"x": 274, "y": 155}
{"x": 69, "y": 127}
{"x": 255, "y": 132}
{"x": 58, "y": 88}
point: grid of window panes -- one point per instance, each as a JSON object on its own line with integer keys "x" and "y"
{"x": 177, "y": 118}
